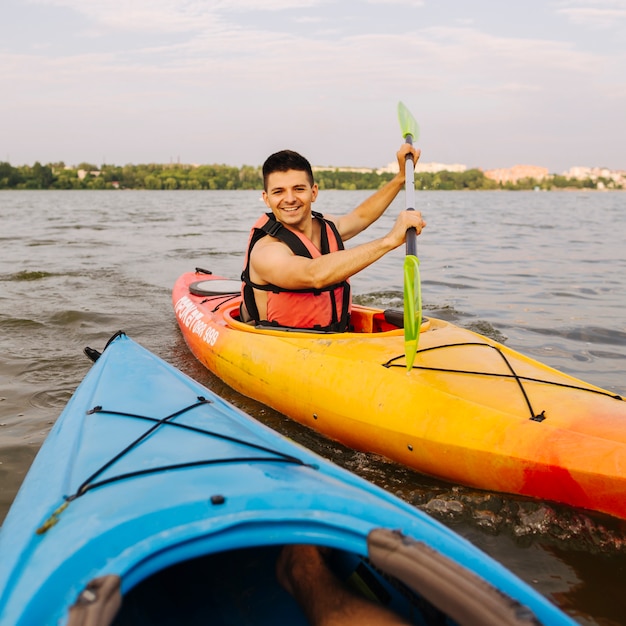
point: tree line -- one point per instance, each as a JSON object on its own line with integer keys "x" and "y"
{"x": 177, "y": 176}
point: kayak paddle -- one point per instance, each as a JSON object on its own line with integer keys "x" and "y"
{"x": 412, "y": 284}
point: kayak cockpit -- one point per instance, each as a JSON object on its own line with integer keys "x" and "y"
{"x": 363, "y": 321}
{"x": 226, "y": 294}
{"x": 240, "y": 586}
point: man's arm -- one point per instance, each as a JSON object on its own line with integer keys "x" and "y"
{"x": 371, "y": 209}
{"x": 273, "y": 262}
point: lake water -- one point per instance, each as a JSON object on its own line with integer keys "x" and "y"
{"x": 544, "y": 272}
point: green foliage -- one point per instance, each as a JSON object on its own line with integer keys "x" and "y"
{"x": 338, "y": 179}
{"x": 469, "y": 180}
{"x": 178, "y": 176}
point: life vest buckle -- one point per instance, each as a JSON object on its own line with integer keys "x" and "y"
{"x": 272, "y": 228}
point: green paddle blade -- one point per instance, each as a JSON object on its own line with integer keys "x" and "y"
{"x": 408, "y": 125}
{"x": 412, "y": 308}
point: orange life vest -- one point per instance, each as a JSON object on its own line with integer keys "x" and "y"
{"x": 326, "y": 309}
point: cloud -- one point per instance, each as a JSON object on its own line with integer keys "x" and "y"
{"x": 410, "y": 3}
{"x": 170, "y": 15}
{"x": 600, "y": 13}
{"x": 190, "y": 72}
{"x": 224, "y": 58}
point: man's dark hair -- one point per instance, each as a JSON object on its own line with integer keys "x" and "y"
{"x": 283, "y": 161}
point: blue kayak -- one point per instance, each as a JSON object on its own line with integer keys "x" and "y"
{"x": 154, "y": 501}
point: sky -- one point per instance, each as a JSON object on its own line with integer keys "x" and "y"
{"x": 492, "y": 83}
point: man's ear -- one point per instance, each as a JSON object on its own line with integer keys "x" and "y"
{"x": 314, "y": 191}
{"x": 265, "y": 199}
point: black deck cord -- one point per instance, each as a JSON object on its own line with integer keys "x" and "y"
{"x": 227, "y": 298}
{"x": 165, "y": 468}
{"x": 513, "y": 374}
{"x": 98, "y": 409}
{"x": 89, "y": 484}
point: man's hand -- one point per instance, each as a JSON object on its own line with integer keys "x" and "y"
{"x": 404, "y": 221}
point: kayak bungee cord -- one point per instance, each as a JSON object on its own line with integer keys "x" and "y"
{"x": 90, "y": 483}
{"x": 98, "y": 409}
{"x": 538, "y": 417}
{"x": 225, "y": 299}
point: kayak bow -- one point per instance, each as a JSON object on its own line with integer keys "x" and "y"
{"x": 172, "y": 503}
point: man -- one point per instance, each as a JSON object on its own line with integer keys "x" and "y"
{"x": 296, "y": 270}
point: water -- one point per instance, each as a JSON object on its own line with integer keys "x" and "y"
{"x": 545, "y": 272}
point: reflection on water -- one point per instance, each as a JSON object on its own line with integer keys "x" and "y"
{"x": 78, "y": 266}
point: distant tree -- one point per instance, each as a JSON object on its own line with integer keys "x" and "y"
{"x": 97, "y": 182}
{"x": 10, "y": 176}
{"x": 250, "y": 177}
{"x": 88, "y": 167}
{"x": 111, "y": 173}
{"x": 476, "y": 179}
{"x": 41, "y": 177}
{"x": 67, "y": 179}
{"x": 152, "y": 182}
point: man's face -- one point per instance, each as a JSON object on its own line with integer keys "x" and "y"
{"x": 289, "y": 195}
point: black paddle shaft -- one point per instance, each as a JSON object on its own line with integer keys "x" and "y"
{"x": 409, "y": 170}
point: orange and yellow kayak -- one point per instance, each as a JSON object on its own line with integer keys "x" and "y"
{"x": 470, "y": 411}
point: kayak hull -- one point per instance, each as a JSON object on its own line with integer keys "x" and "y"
{"x": 471, "y": 411}
{"x": 146, "y": 470}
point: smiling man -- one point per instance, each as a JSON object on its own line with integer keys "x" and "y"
{"x": 297, "y": 269}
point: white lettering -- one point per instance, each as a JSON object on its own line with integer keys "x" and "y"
{"x": 192, "y": 318}
{"x": 211, "y": 335}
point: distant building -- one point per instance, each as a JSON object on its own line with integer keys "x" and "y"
{"x": 430, "y": 168}
{"x": 83, "y": 173}
{"x": 358, "y": 170}
{"x": 517, "y": 172}
{"x": 594, "y": 173}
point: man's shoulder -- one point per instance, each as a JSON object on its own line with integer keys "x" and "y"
{"x": 270, "y": 244}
